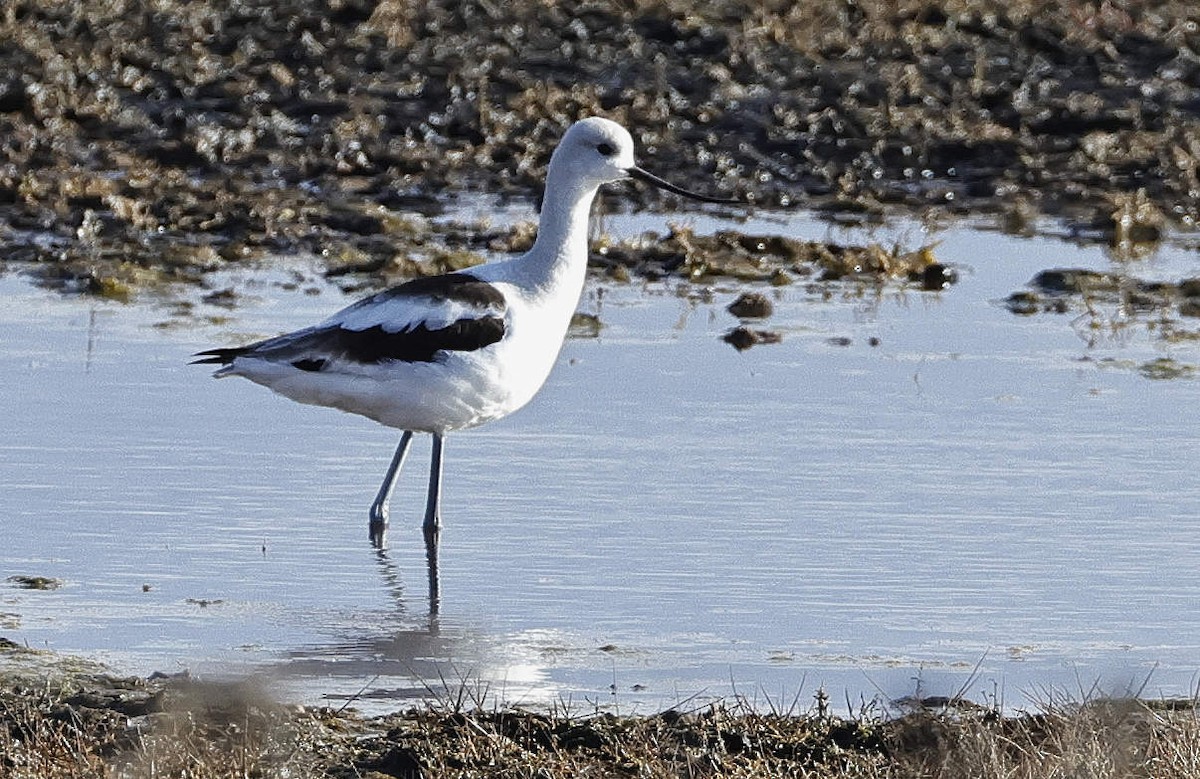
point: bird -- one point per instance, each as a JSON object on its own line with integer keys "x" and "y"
{"x": 444, "y": 353}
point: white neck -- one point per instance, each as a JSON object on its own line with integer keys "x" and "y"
{"x": 559, "y": 255}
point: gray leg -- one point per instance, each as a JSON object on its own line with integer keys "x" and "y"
{"x": 379, "y": 509}
{"x": 433, "y": 507}
{"x": 433, "y": 522}
{"x": 435, "y": 585}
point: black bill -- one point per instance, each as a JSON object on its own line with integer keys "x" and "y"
{"x": 650, "y": 178}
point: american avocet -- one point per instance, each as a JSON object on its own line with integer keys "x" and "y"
{"x": 453, "y": 351}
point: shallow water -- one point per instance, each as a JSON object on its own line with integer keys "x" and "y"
{"x": 981, "y": 501}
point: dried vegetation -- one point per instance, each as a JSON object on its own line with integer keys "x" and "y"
{"x": 98, "y": 726}
{"x": 150, "y": 140}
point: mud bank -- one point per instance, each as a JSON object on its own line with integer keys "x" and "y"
{"x": 72, "y": 720}
{"x": 174, "y": 137}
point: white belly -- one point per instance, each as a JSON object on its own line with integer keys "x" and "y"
{"x": 457, "y": 391}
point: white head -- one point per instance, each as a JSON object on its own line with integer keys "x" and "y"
{"x": 596, "y": 151}
{"x": 592, "y": 152}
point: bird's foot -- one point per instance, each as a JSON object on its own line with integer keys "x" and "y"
{"x": 432, "y": 533}
{"x": 377, "y": 527}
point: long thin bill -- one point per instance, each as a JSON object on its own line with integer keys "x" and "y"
{"x": 650, "y": 178}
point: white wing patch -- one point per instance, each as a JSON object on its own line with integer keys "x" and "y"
{"x": 399, "y": 314}
{"x": 435, "y": 302}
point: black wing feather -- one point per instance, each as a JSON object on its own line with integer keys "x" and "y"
{"x": 313, "y": 349}
{"x": 418, "y": 344}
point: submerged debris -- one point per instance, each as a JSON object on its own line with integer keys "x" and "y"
{"x": 742, "y": 338}
{"x": 35, "y": 582}
{"x": 204, "y": 602}
{"x": 1061, "y": 285}
{"x": 1112, "y": 302}
{"x": 1167, "y": 368}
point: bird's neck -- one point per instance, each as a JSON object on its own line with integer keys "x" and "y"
{"x": 559, "y": 255}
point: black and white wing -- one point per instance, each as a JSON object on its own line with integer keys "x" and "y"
{"x": 418, "y": 321}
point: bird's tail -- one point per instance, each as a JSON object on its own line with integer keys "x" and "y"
{"x": 218, "y": 356}
{"x": 223, "y": 357}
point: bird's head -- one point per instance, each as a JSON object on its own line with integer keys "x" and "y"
{"x": 597, "y": 151}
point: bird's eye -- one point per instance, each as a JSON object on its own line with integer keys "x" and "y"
{"x": 607, "y": 149}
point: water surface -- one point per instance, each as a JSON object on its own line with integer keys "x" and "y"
{"x": 980, "y": 501}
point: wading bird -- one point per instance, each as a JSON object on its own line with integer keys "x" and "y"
{"x": 449, "y": 352}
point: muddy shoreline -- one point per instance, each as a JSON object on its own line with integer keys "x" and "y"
{"x": 169, "y": 140}
{"x": 61, "y": 717}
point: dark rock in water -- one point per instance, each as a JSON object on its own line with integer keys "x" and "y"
{"x": 742, "y": 338}
{"x": 751, "y": 305}
{"x": 936, "y": 277}
{"x": 1073, "y": 281}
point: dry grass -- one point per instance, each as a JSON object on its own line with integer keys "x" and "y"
{"x": 1104, "y": 739}
{"x": 38, "y": 740}
{"x": 101, "y": 727}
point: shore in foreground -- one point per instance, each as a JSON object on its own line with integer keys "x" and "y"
{"x": 64, "y": 718}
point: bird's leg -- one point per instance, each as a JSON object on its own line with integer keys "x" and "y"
{"x": 433, "y": 509}
{"x": 379, "y": 509}
{"x": 433, "y": 522}
{"x": 435, "y": 587}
